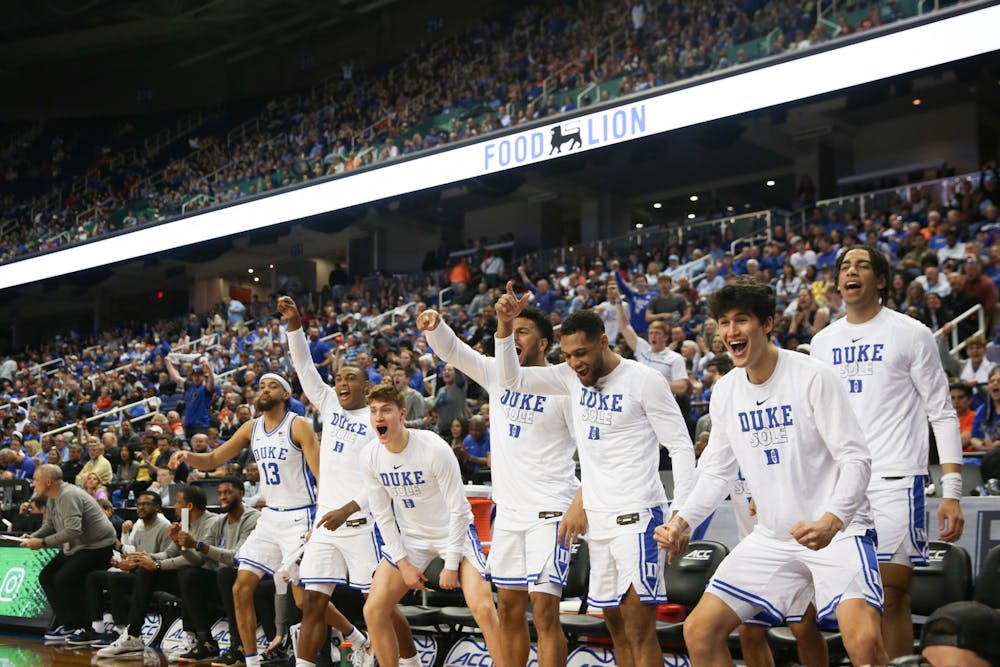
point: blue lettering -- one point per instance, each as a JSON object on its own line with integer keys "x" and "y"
{"x": 616, "y": 403}
{"x": 539, "y": 403}
{"x": 521, "y": 149}
{"x": 489, "y": 155}
{"x": 504, "y": 153}
{"x": 772, "y": 456}
{"x": 786, "y": 415}
{"x": 877, "y": 355}
{"x": 744, "y": 422}
{"x": 515, "y": 430}
{"x": 418, "y": 477}
{"x": 639, "y": 119}
{"x": 594, "y": 434}
{"x": 838, "y": 356}
{"x": 590, "y": 133}
{"x": 618, "y": 122}
{"x": 537, "y": 144}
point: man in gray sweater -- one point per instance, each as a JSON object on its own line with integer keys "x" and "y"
{"x": 203, "y": 589}
{"x": 75, "y": 522}
{"x": 131, "y": 592}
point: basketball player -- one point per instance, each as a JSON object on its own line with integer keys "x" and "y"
{"x": 534, "y": 486}
{"x": 415, "y": 491}
{"x": 890, "y": 366}
{"x": 622, "y": 410}
{"x": 343, "y": 547}
{"x": 784, "y": 421}
{"x": 285, "y": 448}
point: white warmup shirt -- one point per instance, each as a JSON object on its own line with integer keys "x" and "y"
{"x": 797, "y": 444}
{"x": 892, "y": 372}
{"x": 619, "y": 425}
{"x": 284, "y": 473}
{"x": 666, "y": 362}
{"x": 531, "y": 439}
{"x": 345, "y": 433}
{"x": 417, "y": 497}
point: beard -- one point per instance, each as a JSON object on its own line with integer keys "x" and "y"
{"x": 265, "y": 404}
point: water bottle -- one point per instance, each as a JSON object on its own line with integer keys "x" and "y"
{"x": 131, "y": 499}
{"x": 345, "y": 654}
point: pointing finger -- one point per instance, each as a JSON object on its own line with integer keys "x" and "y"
{"x": 510, "y": 288}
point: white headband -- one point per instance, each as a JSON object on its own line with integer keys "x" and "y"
{"x": 277, "y": 378}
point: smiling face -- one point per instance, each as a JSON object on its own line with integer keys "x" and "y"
{"x": 857, "y": 281}
{"x": 585, "y": 357}
{"x": 745, "y": 337}
{"x": 351, "y": 384}
{"x": 528, "y": 342}
{"x": 228, "y": 495}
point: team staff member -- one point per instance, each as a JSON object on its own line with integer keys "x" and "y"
{"x": 75, "y": 522}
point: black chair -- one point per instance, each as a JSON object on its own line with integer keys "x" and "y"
{"x": 424, "y": 609}
{"x": 987, "y": 589}
{"x": 946, "y": 578}
{"x": 686, "y": 579}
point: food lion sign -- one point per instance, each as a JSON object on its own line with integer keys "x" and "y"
{"x": 603, "y": 128}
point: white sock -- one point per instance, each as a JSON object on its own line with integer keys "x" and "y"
{"x": 98, "y": 626}
{"x": 253, "y": 660}
{"x": 413, "y": 661}
{"x": 302, "y": 662}
{"x": 357, "y": 638}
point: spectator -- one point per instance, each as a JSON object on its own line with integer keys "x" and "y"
{"x": 198, "y": 391}
{"x": 545, "y": 298}
{"x": 961, "y": 400}
{"x": 96, "y": 464}
{"x": 92, "y": 485}
{"x": 164, "y": 486}
{"x": 981, "y": 288}
{"x": 711, "y": 283}
{"x": 450, "y": 398}
{"x": 416, "y": 408}
{"x": 976, "y": 370}
{"x": 985, "y": 434}
{"x": 962, "y": 633}
{"x": 74, "y": 464}
{"x": 477, "y": 443}
{"x": 16, "y": 465}
{"x": 75, "y": 522}
{"x": 457, "y": 433}
{"x": 638, "y": 299}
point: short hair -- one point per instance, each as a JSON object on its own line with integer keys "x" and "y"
{"x": 233, "y": 481}
{"x": 975, "y": 340}
{"x": 387, "y": 393}
{"x": 154, "y": 497}
{"x": 962, "y": 387}
{"x": 723, "y": 363}
{"x": 587, "y": 322}
{"x": 746, "y": 295}
{"x": 6, "y": 451}
{"x": 541, "y": 321}
{"x": 657, "y": 324}
{"x": 880, "y": 265}
{"x": 194, "y": 495}
{"x": 52, "y": 471}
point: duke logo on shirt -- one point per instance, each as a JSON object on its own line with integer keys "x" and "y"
{"x": 857, "y": 360}
{"x": 521, "y": 407}
{"x": 598, "y": 406}
{"x": 403, "y": 483}
{"x": 767, "y": 426}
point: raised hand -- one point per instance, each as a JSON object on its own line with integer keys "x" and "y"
{"x": 289, "y": 312}
{"x": 509, "y": 306}
{"x": 428, "y": 320}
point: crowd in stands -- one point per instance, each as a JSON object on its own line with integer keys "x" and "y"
{"x": 502, "y": 72}
{"x": 189, "y": 383}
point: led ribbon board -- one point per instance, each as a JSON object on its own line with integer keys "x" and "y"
{"x": 935, "y": 43}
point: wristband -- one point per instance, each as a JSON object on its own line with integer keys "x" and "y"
{"x": 200, "y": 545}
{"x": 951, "y": 485}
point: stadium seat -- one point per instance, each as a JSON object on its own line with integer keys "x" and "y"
{"x": 987, "y": 589}
{"x": 426, "y": 610}
{"x": 686, "y": 578}
{"x": 946, "y": 578}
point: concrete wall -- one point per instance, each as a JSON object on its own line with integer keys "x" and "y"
{"x": 935, "y": 134}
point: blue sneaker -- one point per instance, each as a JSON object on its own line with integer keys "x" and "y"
{"x": 59, "y": 634}
{"x": 85, "y": 637}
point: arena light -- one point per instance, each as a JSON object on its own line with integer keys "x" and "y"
{"x": 900, "y": 50}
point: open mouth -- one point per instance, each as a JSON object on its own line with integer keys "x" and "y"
{"x": 738, "y": 347}
{"x": 382, "y": 430}
{"x": 852, "y": 286}
{"x": 517, "y": 349}
{"x": 344, "y": 393}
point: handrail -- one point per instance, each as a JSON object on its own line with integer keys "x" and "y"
{"x": 441, "y": 294}
{"x": 199, "y": 198}
{"x": 21, "y": 402}
{"x": 34, "y": 370}
{"x": 956, "y": 346}
{"x": 375, "y": 322}
{"x": 101, "y": 415}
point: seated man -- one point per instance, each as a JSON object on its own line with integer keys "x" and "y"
{"x": 157, "y": 571}
{"x": 204, "y": 588}
{"x": 415, "y": 492}
{"x": 147, "y": 535}
{"x": 962, "y": 633}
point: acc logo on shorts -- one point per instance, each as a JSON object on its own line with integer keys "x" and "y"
{"x": 174, "y": 637}
{"x": 427, "y": 649}
{"x": 591, "y": 657}
{"x": 468, "y": 652}
{"x": 151, "y": 628}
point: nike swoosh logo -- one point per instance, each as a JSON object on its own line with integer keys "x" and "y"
{"x": 855, "y": 340}
{"x": 397, "y": 467}
{"x": 764, "y": 401}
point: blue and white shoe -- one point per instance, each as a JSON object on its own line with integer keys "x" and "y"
{"x": 59, "y": 634}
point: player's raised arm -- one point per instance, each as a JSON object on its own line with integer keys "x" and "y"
{"x": 315, "y": 389}
{"x": 549, "y": 380}
{"x": 447, "y": 345}
{"x": 221, "y": 454}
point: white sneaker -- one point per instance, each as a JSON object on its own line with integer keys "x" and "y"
{"x": 124, "y": 645}
{"x": 186, "y": 645}
{"x": 362, "y": 656}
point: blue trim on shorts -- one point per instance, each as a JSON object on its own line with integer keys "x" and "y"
{"x": 560, "y": 561}
{"x": 869, "y": 561}
{"x": 699, "y": 532}
{"x": 918, "y": 521}
{"x": 477, "y": 548}
{"x": 767, "y": 607}
{"x": 649, "y": 552}
{"x": 829, "y": 610}
{"x": 258, "y": 566}
{"x": 306, "y": 582}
